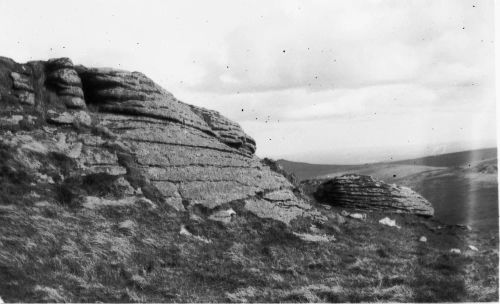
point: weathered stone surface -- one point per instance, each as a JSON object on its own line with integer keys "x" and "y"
{"x": 364, "y": 192}
{"x": 21, "y": 82}
{"x": 228, "y": 131}
{"x": 284, "y": 211}
{"x": 181, "y": 155}
{"x": 307, "y": 237}
{"x": 80, "y": 117}
{"x": 26, "y": 97}
{"x": 65, "y": 77}
{"x": 170, "y": 192}
{"x": 66, "y": 81}
{"x": 59, "y": 63}
{"x": 10, "y": 121}
{"x": 154, "y": 154}
{"x": 73, "y": 101}
{"x": 23, "y": 87}
{"x": 223, "y": 216}
{"x": 132, "y": 93}
{"x": 92, "y": 202}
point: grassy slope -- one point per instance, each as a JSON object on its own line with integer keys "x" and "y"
{"x": 460, "y": 195}
{"x": 56, "y": 253}
{"x": 53, "y": 249}
{"x": 462, "y": 186}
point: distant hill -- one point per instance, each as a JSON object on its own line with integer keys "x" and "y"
{"x": 307, "y": 171}
{"x": 457, "y": 159}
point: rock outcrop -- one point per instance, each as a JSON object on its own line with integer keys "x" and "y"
{"x": 22, "y": 87}
{"x": 66, "y": 82}
{"x": 364, "y": 192}
{"x": 121, "y": 123}
{"x": 114, "y": 191}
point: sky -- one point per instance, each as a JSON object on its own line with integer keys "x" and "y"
{"x": 313, "y": 81}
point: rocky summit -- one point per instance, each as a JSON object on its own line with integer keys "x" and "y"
{"x": 364, "y": 192}
{"x": 128, "y": 125}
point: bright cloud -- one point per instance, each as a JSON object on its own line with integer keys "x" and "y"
{"x": 317, "y": 81}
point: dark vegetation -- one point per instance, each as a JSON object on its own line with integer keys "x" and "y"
{"x": 54, "y": 250}
{"x": 14, "y": 178}
{"x": 63, "y": 253}
{"x": 98, "y": 184}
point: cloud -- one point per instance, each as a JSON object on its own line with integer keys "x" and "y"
{"x": 299, "y": 104}
{"x": 310, "y": 79}
{"x": 323, "y": 46}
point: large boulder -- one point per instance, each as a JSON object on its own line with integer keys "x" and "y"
{"x": 364, "y": 192}
{"x": 124, "y": 124}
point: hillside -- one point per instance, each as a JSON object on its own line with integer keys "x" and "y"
{"x": 457, "y": 159}
{"x": 462, "y": 186}
{"x": 307, "y": 171}
{"x": 113, "y": 190}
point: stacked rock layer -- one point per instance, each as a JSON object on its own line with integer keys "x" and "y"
{"x": 364, "y": 192}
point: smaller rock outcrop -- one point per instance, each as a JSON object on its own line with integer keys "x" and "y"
{"x": 364, "y": 192}
{"x": 226, "y": 130}
{"x": 62, "y": 76}
{"x": 23, "y": 87}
